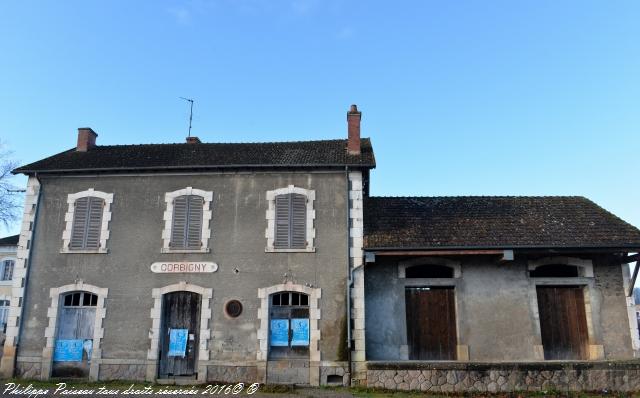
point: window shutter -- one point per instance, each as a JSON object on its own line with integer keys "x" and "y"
{"x": 87, "y": 223}
{"x": 281, "y": 236}
{"x": 94, "y": 223}
{"x": 194, "y": 222}
{"x": 186, "y": 231}
{"x": 79, "y": 223}
{"x": 298, "y": 221}
{"x": 179, "y": 223}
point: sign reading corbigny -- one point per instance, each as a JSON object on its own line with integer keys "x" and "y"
{"x": 184, "y": 267}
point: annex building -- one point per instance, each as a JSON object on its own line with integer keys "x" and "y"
{"x": 270, "y": 262}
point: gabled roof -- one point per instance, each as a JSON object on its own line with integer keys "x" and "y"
{"x": 300, "y": 154}
{"x": 10, "y": 240}
{"x": 493, "y": 222}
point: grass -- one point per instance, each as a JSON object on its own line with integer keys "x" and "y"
{"x": 273, "y": 389}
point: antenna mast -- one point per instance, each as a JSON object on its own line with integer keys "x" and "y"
{"x": 190, "y": 113}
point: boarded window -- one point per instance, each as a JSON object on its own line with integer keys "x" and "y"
{"x": 7, "y": 269}
{"x": 563, "y": 322}
{"x": 289, "y": 325}
{"x": 291, "y": 221}
{"x": 429, "y": 271}
{"x": 4, "y": 314}
{"x": 555, "y": 271}
{"x": 431, "y": 323}
{"x": 87, "y": 223}
{"x": 186, "y": 228}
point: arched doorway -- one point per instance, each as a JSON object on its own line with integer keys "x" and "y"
{"x": 179, "y": 334}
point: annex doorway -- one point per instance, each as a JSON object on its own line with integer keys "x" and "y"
{"x": 563, "y": 322}
{"x": 179, "y": 334}
{"x": 431, "y": 323}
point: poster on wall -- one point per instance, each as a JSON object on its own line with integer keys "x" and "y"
{"x": 279, "y": 332}
{"x": 178, "y": 342}
{"x": 68, "y": 350}
{"x": 300, "y": 332}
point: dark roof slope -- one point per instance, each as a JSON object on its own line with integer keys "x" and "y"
{"x": 301, "y": 154}
{"x": 493, "y": 222}
{"x": 9, "y": 240}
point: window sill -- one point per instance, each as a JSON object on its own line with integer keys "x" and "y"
{"x": 168, "y": 250}
{"x": 274, "y": 250}
{"x": 92, "y": 251}
{"x": 6, "y": 283}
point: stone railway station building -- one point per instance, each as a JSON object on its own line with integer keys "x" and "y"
{"x": 270, "y": 262}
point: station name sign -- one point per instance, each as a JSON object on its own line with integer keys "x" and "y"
{"x": 177, "y": 267}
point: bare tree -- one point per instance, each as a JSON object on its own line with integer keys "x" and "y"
{"x": 10, "y": 194}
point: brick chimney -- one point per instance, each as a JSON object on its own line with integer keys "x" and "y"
{"x": 86, "y": 139}
{"x": 193, "y": 140}
{"x": 353, "y": 123}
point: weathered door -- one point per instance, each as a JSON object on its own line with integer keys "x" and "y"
{"x": 180, "y": 321}
{"x": 563, "y": 322}
{"x": 74, "y": 338}
{"x": 431, "y": 323}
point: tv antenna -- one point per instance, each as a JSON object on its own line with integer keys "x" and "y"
{"x": 190, "y": 113}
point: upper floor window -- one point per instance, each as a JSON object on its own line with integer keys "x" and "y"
{"x": 290, "y": 219}
{"x": 87, "y": 222}
{"x": 187, "y": 221}
{"x": 6, "y": 271}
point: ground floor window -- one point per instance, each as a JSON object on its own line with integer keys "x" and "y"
{"x": 4, "y": 314}
{"x": 563, "y": 322}
{"x": 289, "y": 325}
{"x": 431, "y": 323}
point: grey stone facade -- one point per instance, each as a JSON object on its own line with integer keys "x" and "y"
{"x": 237, "y": 246}
{"x": 496, "y": 308}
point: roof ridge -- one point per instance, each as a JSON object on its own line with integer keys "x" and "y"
{"x": 232, "y": 143}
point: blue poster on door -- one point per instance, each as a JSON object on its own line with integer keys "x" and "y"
{"x": 178, "y": 342}
{"x": 68, "y": 350}
{"x": 280, "y": 332}
{"x": 300, "y": 332}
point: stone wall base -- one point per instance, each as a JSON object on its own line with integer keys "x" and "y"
{"x": 232, "y": 374}
{"x": 505, "y": 377}
{"x": 133, "y": 372}
{"x": 28, "y": 370}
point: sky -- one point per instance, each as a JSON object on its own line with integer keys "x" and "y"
{"x": 458, "y": 97}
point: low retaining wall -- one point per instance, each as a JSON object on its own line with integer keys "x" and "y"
{"x": 504, "y": 377}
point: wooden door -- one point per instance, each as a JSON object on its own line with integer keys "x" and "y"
{"x": 431, "y": 323}
{"x": 180, "y": 310}
{"x": 563, "y": 322}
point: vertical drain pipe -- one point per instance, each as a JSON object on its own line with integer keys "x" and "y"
{"x": 349, "y": 276}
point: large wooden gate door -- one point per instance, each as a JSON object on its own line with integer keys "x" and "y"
{"x": 180, "y": 322}
{"x": 431, "y": 323}
{"x": 563, "y": 322}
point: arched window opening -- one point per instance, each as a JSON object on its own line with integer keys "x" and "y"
{"x": 289, "y": 325}
{"x": 555, "y": 271}
{"x": 429, "y": 271}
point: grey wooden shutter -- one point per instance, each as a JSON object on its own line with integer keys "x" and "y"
{"x": 194, "y": 222}
{"x": 281, "y": 235}
{"x": 179, "y": 223}
{"x": 87, "y": 223}
{"x": 94, "y": 223}
{"x": 79, "y": 223}
{"x": 298, "y": 221}
{"x": 186, "y": 229}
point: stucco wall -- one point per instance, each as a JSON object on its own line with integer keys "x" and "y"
{"x": 496, "y": 310}
{"x": 237, "y": 245}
